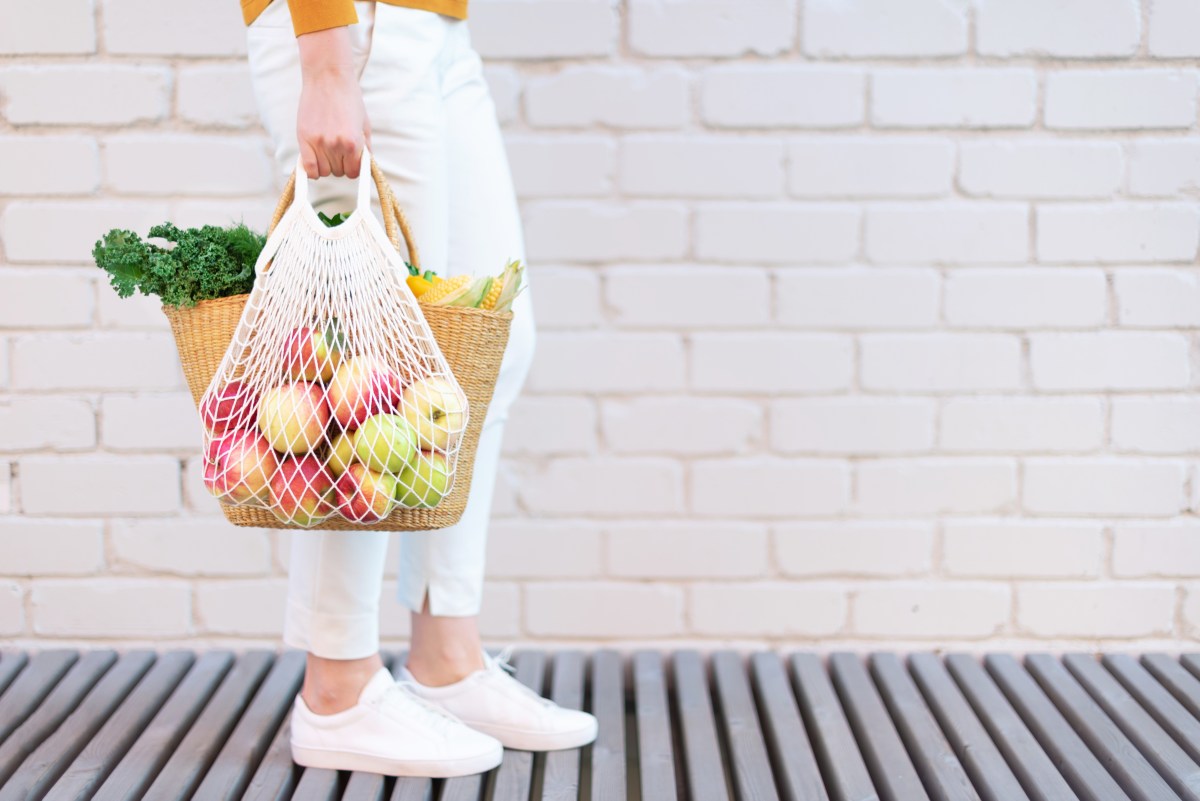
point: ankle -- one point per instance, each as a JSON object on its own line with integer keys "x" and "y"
{"x": 442, "y": 669}
{"x": 333, "y": 685}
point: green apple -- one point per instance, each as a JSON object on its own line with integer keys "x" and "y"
{"x": 423, "y": 482}
{"x": 436, "y": 409}
{"x": 341, "y": 453}
{"x": 385, "y": 443}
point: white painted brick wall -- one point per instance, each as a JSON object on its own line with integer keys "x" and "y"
{"x": 860, "y": 320}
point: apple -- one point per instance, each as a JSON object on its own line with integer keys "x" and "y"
{"x": 293, "y": 417}
{"x": 311, "y": 355}
{"x": 238, "y": 467}
{"x": 301, "y": 491}
{"x": 341, "y": 453}
{"x": 231, "y": 407}
{"x": 363, "y": 495}
{"x": 435, "y": 408}
{"x": 385, "y": 443}
{"x": 361, "y": 387}
{"x": 423, "y": 482}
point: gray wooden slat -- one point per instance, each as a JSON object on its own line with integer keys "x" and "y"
{"x": 1173, "y": 764}
{"x": 1033, "y": 768}
{"x": 184, "y": 770}
{"x": 608, "y": 705}
{"x": 983, "y": 762}
{"x": 11, "y": 663}
{"x": 463, "y": 788}
{"x": 656, "y": 751}
{"x": 53, "y": 710}
{"x": 277, "y": 775}
{"x": 1191, "y": 662}
{"x": 701, "y": 749}
{"x": 154, "y": 746}
{"x": 796, "y": 769}
{"x": 364, "y": 786}
{"x": 31, "y": 686}
{"x": 101, "y": 753}
{"x": 1158, "y": 701}
{"x": 748, "y": 760}
{"x": 837, "y": 753}
{"x": 891, "y": 767}
{"x": 513, "y": 780}
{"x": 413, "y": 789}
{"x": 1172, "y": 675}
{"x": 560, "y": 779}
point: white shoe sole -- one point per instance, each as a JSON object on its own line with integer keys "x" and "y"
{"x": 520, "y": 740}
{"x": 433, "y": 769}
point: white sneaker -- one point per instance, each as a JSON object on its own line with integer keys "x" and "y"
{"x": 491, "y": 701}
{"x": 391, "y": 731}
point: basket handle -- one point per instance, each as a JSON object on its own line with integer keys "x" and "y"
{"x": 395, "y": 223}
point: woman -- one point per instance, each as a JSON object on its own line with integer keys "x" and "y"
{"x": 402, "y": 78}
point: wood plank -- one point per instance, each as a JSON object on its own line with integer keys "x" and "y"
{"x": 53, "y": 710}
{"x": 892, "y": 769}
{"x": 31, "y": 686}
{"x": 277, "y": 775}
{"x": 101, "y": 752}
{"x": 408, "y": 788}
{"x": 656, "y": 750}
{"x": 560, "y": 779}
{"x": 704, "y": 769}
{"x": 791, "y": 752}
{"x": 185, "y": 769}
{"x": 983, "y": 762}
{"x": 1158, "y": 701}
{"x": 11, "y": 663}
{"x": 513, "y": 779}
{"x": 1075, "y": 761}
{"x": 1172, "y": 675}
{"x": 1172, "y": 763}
{"x": 749, "y": 764}
{"x": 837, "y": 753}
{"x": 1191, "y": 662}
{"x": 155, "y": 745}
{"x": 608, "y": 705}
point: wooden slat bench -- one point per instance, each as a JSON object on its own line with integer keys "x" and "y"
{"x": 680, "y": 726}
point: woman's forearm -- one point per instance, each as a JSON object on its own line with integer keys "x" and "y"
{"x": 331, "y": 123}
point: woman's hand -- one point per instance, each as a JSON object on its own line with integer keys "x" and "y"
{"x": 332, "y": 125}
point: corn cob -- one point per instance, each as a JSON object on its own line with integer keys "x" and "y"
{"x": 443, "y": 288}
{"x": 489, "y": 300}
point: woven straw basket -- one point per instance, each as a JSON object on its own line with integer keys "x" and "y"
{"x": 472, "y": 340}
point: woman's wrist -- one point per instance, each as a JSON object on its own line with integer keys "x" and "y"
{"x": 326, "y": 53}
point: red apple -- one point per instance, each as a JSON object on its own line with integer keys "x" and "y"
{"x": 238, "y": 467}
{"x": 361, "y": 387}
{"x": 310, "y": 355}
{"x": 231, "y": 407}
{"x": 293, "y": 417}
{"x": 364, "y": 496}
{"x": 302, "y": 491}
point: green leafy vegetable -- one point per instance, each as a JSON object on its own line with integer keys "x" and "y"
{"x": 336, "y": 219}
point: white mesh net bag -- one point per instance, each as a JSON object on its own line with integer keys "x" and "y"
{"x": 333, "y": 399}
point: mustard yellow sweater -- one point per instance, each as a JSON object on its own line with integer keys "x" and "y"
{"x": 316, "y": 15}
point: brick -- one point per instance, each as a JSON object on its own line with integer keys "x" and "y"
{"x": 604, "y": 487}
{"x": 254, "y": 210}
{"x": 46, "y": 299}
{"x": 158, "y": 164}
{"x": 191, "y": 547}
{"x": 1156, "y": 425}
{"x": 1017, "y": 425}
{"x": 1118, "y": 232}
{"x": 769, "y": 487}
{"x": 939, "y": 362}
{"x": 861, "y": 166}
{"x": 500, "y": 614}
{"x": 951, "y": 97}
{"x": 140, "y": 312}
{"x": 66, "y": 231}
{"x": 566, "y": 297}
{"x": 947, "y": 233}
{"x": 51, "y": 547}
{"x": 562, "y": 166}
{"x": 850, "y": 425}
{"x": 12, "y": 608}
{"x": 1171, "y": 24}
{"x": 864, "y": 28}
{"x": 919, "y": 487}
{"x": 1094, "y": 610}
{"x": 253, "y": 607}
{"x": 1040, "y": 168}
{"x": 66, "y": 28}
{"x": 689, "y": 296}
{"x": 5, "y": 487}
{"x": 777, "y": 233}
{"x": 1103, "y": 486}
{"x": 160, "y": 422}
{"x": 771, "y": 363}
{"x": 662, "y": 165}
{"x": 1069, "y": 28}
{"x": 99, "y": 361}
{"x": 777, "y": 95}
{"x": 1191, "y": 611}
{"x": 504, "y": 85}
{"x": 1118, "y": 99}
{"x": 1164, "y": 167}
{"x": 217, "y": 96}
{"x": 1157, "y": 549}
{"x": 581, "y": 231}
{"x": 35, "y": 423}
{"x": 99, "y": 485}
{"x": 681, "y": 425}
{"x": 930, "y": 610}
{"x": 767, "y": 609}
{"x": 616, "y": 96}
{"x": 711, "y": 27}
{"x": 76, "y": 162}
{"x": 528, "y": 29}
{"x": 603, "y": 609}
{"x": 857, "y": 298}
{"x": 544, "y": 549}
{"x": 1026, "y": 298}
{"x": 692, "y": 549}
{"x": 1004, "y": 549}
{"x": 127, "y": 607}
{"x": 504, "y": 497}
{"x": 172, "y": 28}
{"x": 609, "y": 362}
{"x": 91, "y": 94}
{"x": 197, "y": 499}
{"x": 842, "y": 548}
{"x": 1108, "y": 360}
{"x": 553, "y": 426}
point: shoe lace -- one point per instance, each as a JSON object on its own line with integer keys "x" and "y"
{"x": 501, "y": 660}
{"x": 400, "y": 693}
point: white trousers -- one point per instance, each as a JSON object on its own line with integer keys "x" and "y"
{"x": 435, "y": 135}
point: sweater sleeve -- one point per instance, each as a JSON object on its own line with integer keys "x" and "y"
{"x": 317, "y": 15}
